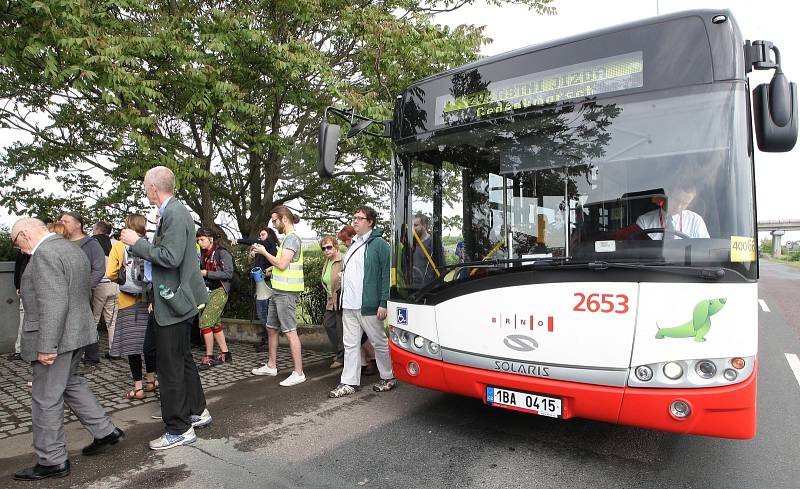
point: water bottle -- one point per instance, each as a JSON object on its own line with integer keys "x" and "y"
{"x": 165, "y": 292}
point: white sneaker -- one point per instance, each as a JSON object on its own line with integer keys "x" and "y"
{"x": 202, "y": 420}
{"x": 265, "y": 370}
{"x": 167, "y": 441}
{"x": 293, "y": 379}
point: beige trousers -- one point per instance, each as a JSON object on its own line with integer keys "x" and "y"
{"x": 104, "y": 301}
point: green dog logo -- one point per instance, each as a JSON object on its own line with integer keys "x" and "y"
{"x": 698, "y": 327}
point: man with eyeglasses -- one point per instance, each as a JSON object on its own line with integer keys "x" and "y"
{"x": 58, "y": 325}
{"x": 365, "y": 292}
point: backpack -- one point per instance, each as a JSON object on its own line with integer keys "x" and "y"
{"x": 236, "y": 280}
{"x": 131, "y": 274}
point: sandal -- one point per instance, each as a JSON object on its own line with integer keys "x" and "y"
{"x": 135, "y": 394}
{"x": 151, "y": 386}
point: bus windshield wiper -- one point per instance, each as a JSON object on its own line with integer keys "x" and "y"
{"x": 705, "y": 273}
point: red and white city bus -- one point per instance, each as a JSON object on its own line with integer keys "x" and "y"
{"x": 574, "y": 226}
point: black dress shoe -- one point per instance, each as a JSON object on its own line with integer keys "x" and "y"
{"x": 99, "y": 444}
{"x": 39, "y": 472}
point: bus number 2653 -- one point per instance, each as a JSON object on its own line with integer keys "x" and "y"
{"x": 605, "y": 303}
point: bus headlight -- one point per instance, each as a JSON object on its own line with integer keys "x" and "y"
{"x": 644, "y": 373}
{"x": 673, "y": 370}
{"x": 414, "y": 343}
{"x": 705, "y": 369}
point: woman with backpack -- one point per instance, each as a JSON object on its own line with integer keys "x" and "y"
{"x": 132, "y": 316}
{"x": 216, "y": 266}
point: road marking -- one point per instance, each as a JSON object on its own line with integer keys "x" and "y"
{"x": 335, "y": 372}
{"x": 764, "y": 306}
{"x": 794, "y": 364}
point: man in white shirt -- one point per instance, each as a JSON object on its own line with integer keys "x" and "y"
{"x": 365, "y": 292}
{"x": 673, "y": 215}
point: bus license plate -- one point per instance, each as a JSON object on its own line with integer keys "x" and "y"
{"x": 523, "y": 401}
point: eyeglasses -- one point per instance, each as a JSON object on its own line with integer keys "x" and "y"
{"x": 327, "y": 247}
{"x": 14, "y": 239}
{"x": 359, "y": 218}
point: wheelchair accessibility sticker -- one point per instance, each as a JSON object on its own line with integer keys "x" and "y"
{"x": 402, "y": 315}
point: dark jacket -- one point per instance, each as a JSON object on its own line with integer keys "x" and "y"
{"x": 261, "y": 260}
{"x": 221, "y": 277}
{"x": 105, "y": 242}
{"x": 97, "y": 259}
{"x": 377, "y": 270}
{"x": 19, "y": 267}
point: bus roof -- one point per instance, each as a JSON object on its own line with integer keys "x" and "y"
{"x": 706, "y": 14}
{"x": 677, "y": 50}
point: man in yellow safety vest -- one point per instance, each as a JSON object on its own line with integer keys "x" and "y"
{"x": 287, "y": 281}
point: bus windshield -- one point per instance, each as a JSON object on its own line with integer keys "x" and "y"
{"x": 655, "y": 178}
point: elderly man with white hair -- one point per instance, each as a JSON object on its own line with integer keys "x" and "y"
{"x": 178, "y": 291}
{"x": 58, "y": 325}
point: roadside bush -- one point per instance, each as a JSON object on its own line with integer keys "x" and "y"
{"x": 310, "y": 304}
{"x": 793, "y": 256}
{"x": 241, "y": 304}
{"x": 7, "y": 252}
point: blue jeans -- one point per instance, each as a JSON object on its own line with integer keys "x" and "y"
{"x": 262, "y": 308}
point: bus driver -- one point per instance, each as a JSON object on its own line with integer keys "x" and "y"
{"x": 673, "y": 215}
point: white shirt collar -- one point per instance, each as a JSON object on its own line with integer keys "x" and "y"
{"x": 44, "y": 238}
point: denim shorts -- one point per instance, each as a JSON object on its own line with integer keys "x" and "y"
{"x": 282, "y": 311}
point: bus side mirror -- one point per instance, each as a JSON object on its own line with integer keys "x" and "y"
{"x": 775, "y": 114}
{"x": 327, "y": 148}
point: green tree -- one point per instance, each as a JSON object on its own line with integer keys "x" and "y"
{"x": 227, "y": 94}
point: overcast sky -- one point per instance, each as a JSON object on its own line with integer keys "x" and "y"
{"x": 512, "y": 27}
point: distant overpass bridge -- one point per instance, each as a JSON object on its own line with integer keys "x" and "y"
{"x": 777, "y": 228}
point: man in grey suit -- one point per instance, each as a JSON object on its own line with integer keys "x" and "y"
{"x": 178, "y": 290}
{"x": 58, "y": 324}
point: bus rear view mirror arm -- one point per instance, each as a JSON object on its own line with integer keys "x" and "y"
{"x": 328, "y": 142}
{"x": 774, "y": 105}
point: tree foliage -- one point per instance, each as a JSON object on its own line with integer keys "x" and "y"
{"x": 227, "y": 94}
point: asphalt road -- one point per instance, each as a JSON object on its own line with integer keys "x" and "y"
{"x": 269, "y": 436}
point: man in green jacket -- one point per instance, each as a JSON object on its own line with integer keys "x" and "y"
{"x": 365, "y": 290}
{"x": 178, "y": 290}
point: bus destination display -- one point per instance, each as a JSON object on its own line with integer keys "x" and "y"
{"x": 580, "y": 80}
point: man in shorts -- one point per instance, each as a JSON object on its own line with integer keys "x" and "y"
{"x": 287, "y": 282}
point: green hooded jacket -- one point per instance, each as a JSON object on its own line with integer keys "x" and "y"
{"x": 377, "y": 269}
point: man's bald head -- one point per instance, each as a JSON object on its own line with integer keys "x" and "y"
{"x": 26, "y": 223}
{"x": 163, "y": 179}
{"x": 27, "y": 232}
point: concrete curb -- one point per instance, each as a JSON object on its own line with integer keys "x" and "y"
{"x": 312, "y": 336}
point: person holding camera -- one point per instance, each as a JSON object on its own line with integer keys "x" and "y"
{"x": 269, "y": 240}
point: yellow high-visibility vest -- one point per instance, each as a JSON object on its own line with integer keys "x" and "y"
{"x": 291, "y": 279}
